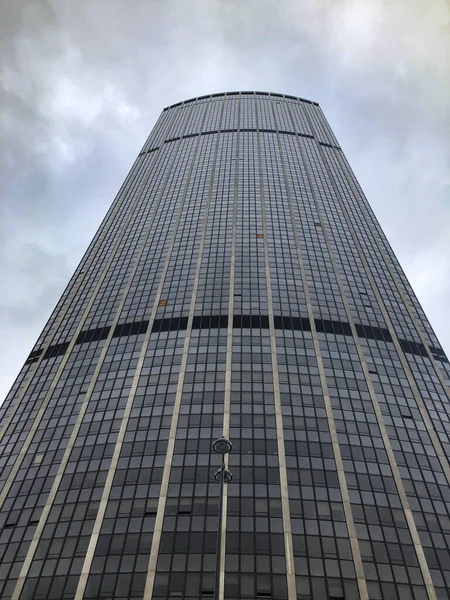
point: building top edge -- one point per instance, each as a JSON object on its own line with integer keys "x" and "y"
{"x": 240, "y": 93}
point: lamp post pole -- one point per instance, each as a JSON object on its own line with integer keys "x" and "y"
{"x": 221, "y": 446}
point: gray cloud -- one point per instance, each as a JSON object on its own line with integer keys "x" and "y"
{"x": 83, "y": 83}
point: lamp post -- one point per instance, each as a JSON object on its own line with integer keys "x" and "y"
{"x": 221, "y": 446}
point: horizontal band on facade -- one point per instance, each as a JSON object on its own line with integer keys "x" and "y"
{"x": 246, "y": 93}
{"x": 239, "y": 322}
{"x": 241, "y": 130}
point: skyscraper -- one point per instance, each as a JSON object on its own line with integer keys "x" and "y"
{"x": 239, "y": 285}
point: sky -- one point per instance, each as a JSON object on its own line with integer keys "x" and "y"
{"x": 82, "y": 84}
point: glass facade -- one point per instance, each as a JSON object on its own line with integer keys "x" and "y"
{"x": 239, "y": 285}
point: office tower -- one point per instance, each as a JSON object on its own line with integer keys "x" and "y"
{"x": 239, "y": 285}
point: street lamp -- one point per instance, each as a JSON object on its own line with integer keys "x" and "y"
{"x": 221, "y": 446}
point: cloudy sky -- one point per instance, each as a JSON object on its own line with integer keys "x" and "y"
{"x": 83, "y": 82}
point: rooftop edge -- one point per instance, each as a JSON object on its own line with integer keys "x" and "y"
{"x": 242, "y": 94}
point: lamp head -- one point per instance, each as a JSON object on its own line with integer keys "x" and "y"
{"x": 222, "y": 445}
{"x": 225, "y": 473}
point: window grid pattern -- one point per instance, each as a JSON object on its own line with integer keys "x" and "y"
{"x": 163, "y": 256}
{"x": 314, "y": 506}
